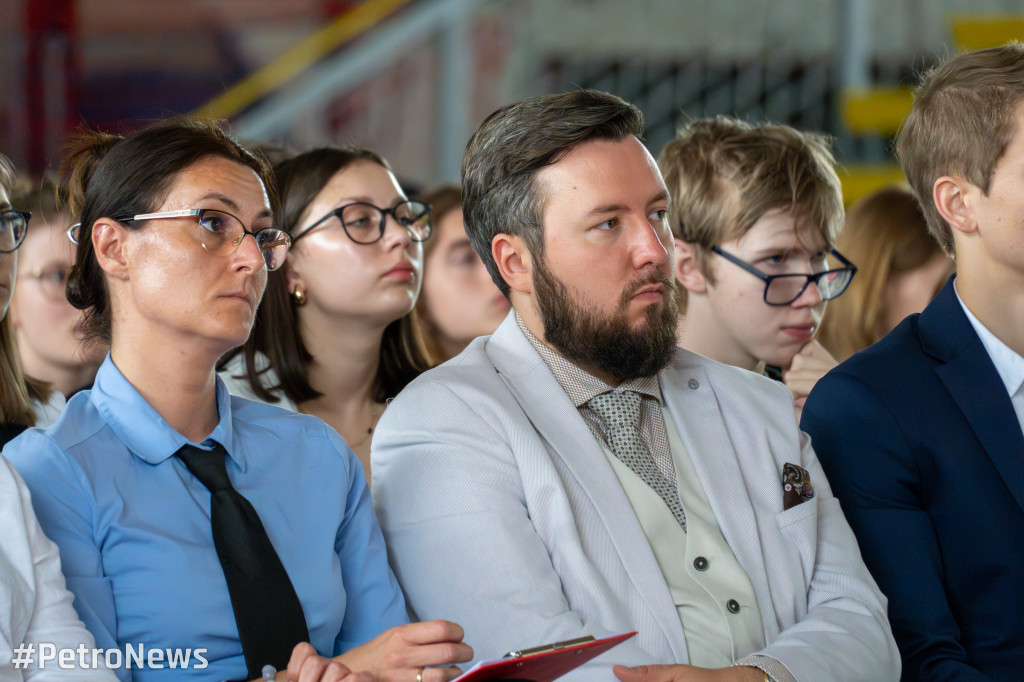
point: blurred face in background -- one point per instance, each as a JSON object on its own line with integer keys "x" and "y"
{"x": 43, "y": 319}
{"x": 910, "y": 292}
{"x": 460, "y": 301}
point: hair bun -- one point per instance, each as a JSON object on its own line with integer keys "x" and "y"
{"x": 83, "y": 151}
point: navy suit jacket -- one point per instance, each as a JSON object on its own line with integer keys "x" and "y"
{"x": 921, "y": 444}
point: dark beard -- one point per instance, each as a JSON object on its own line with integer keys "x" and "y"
{"x": 610, "y": 344}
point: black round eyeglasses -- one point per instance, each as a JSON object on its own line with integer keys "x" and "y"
{"x": 364, "y": 223}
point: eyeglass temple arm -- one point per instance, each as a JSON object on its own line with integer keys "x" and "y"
{"x": 743, "y": 264}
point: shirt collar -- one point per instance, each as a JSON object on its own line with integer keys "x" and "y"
{"x": 579, "y": 384}
{"x": 141, "y": 428}
{"x": 1009, "y": 365}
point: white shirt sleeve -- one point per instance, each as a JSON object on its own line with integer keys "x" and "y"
{"x": 35, "y": 606}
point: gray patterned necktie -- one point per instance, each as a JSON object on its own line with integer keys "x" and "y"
{"x": 619, "y": 412}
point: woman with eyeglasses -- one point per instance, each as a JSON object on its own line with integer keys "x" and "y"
{"x": 334, "y": 337}
{"x": 44, "y": 322}
{"x": 232, "y": 538}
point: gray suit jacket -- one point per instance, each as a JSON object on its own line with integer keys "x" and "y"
{"x": 502, "y": 514}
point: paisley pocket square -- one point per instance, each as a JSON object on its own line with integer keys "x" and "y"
{"x": 796, "y": 485}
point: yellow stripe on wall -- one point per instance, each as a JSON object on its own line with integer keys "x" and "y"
{"x": 975, "y": 32}
{"x": 263, "y": 81}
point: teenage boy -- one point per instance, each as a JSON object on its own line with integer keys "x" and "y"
{"x": 922, "y": 434}
{"x": 755, "y": 210}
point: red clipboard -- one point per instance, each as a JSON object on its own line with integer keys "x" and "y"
{"x": 541, "y": 664}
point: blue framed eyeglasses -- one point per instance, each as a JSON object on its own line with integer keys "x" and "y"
{"x": 784, "y": 289}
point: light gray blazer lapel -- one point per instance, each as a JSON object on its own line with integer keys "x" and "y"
{"x": 558, "y": 422}
{"x": 694, "y": 405}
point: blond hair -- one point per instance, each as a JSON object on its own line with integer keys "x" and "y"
{"x": 724, "y": 174}
{"x": 961, "y": 122}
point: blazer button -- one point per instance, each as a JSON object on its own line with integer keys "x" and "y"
{"x": 693, "y": 383}
{"x": 700, "y": 563}
{"x": 733, "y": 606}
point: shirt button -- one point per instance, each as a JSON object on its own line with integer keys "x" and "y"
{"x": 700, "y": 563}
{"x": 733, "y": 606}
{"x": 693, "y": 383}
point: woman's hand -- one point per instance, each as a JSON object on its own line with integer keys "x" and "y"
{"x": 306, "y": 665}
{"x": 401, "y": 653}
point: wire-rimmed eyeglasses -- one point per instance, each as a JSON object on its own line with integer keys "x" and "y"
{"x": 220, "y": 233}
{"x": 784, "y": 289}
{"x": 13, "y": 228}
{"x": 364, "y": 223}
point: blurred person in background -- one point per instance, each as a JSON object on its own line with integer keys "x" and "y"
{"x": 459, "y": 301}
{"x": 334, "y": 337}
{"x": 755, "y": 212}
{"x": 35, "y": 606}
{"x": 24, "y": 401}
{"x": 44, "y": 322}
{"x": 900, "y": 268}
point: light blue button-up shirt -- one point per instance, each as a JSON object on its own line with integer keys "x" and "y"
{"x": 133, "y": 526}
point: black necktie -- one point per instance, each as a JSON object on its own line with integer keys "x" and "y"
{"x": 267, "y": 610}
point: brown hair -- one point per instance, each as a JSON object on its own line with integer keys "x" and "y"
{"x": 513, "y": 144}
{"x": 884, "y": 234}
{"x": 119, "y": 177}
{"x": 276, "y": 333}
{"x": 724, "y": 174}
{"x": 961, "y": 122}
{"x": 16, "y": 390}
{"x": 442, "y": 200}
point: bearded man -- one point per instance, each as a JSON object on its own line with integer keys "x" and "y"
{"x": 577, "y": 474}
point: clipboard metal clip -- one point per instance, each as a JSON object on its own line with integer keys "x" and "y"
{"x": 549, "y": 647}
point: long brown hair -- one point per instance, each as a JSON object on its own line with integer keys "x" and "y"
{"x": 16, "y": 390}
{"x": 276, "y": 333}
{"x": 885, "y": 234}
